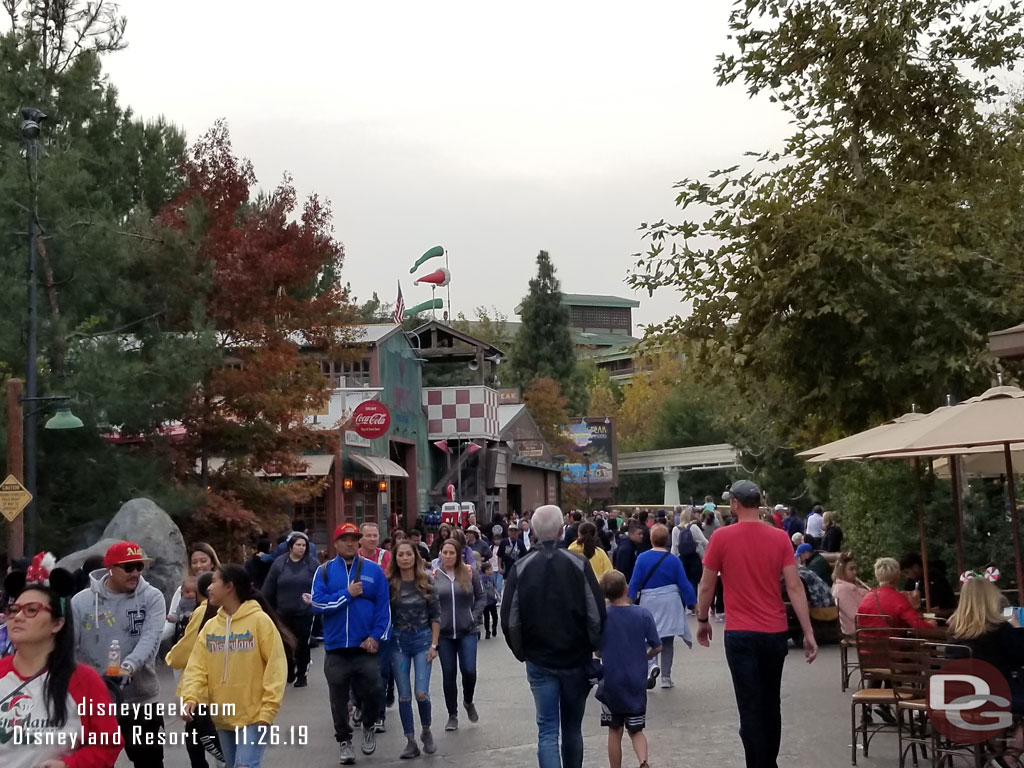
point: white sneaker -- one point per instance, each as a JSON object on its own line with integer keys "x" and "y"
{"x": 666, "y": 682}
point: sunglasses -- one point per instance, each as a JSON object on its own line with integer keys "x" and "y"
{"x": 31, "y": 610}
{"x": 131, "y": 567}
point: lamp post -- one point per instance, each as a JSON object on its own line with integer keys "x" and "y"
{"x": 586, "y": 475}
{"x": 458, "y": 463}
{"x": 17, "y": 456}
{"x": 31, "y": 123}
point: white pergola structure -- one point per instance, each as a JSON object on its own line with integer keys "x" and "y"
{"x": 670, "y": 463}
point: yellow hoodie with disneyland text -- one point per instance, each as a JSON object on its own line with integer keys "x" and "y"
{"x": 238, "y": 660}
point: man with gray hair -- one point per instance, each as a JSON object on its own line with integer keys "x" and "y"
{"x": 552, "y": 615}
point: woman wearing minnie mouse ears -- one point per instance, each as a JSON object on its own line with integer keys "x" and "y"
{"x": 43, "y": 689}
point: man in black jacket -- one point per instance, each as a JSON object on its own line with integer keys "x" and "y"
{"x": 630, "y": 545}
{"x": 552, "y": 615}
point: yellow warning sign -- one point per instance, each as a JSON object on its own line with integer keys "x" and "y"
{"x": 13, "y": 498}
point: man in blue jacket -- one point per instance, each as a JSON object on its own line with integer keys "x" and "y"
{"x": 353, "y": 595}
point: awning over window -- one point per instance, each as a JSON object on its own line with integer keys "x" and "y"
{"x": 379, "y": 465}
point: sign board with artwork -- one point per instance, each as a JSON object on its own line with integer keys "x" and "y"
{"x": 593, "y": 455}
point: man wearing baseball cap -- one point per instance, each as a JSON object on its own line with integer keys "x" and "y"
{"x": 354, "y": 597}
{"x": 121, "y": 605}
{"x": 750, "y": 556}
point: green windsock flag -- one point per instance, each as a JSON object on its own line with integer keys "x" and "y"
{"x": 433, "y": 253}
{"x": 430, "y": 304}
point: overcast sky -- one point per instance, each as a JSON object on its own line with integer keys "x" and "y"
{"x": 494, "y": 129}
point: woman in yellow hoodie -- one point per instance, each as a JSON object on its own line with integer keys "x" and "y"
{"x": 586, "y": 545}
{"x": 238, "y": 661}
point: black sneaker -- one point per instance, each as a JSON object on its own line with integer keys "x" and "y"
{"x": 471, "y": 712}
{"x": 369, "y": 741}
{"x": 452, "y": 724}
{"x": 652, "y": 677}
{"x": 300, "y": 682}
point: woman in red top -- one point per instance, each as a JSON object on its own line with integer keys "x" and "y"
{"x": 54, "y": 712}
{"x": 887, "y": 602}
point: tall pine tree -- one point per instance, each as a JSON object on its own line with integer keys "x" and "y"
{"x": 543, "y": 347}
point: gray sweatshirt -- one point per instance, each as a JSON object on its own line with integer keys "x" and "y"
{"x": 134, "y": 619}
{"x": 461, "y": 607}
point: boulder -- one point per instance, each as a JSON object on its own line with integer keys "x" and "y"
{"x": 142, "y": 521}
{"x": 74, "y": 561}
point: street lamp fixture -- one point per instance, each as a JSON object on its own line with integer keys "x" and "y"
{"x": 31, "y": 123}
{"x": 63, "y": 419}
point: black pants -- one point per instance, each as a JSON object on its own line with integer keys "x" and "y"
{"x": 135, "y": 732}
{"x": 201, "y": 737}
{"x": 353, "y": 670}
{"x": 755, "y": 661}
{"x": 491, "y": 619}
{"x": 298, "y": 661}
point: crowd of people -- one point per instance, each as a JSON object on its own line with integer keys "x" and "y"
{"x": 583, "y": 600}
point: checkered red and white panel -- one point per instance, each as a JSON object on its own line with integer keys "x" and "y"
{"x": 465, "y": 411}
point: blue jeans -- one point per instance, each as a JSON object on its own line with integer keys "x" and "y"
{"x": 250, "y": 752}
{"x": 755, "y": 661}
{"x": 560, "y": 696}
{"x": 460, "y": 652}
{"x": 409, "y": 650}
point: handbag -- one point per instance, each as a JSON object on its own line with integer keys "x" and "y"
{"x": 648, "y": 577}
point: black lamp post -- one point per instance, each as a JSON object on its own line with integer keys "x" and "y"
{"x": 31, "y": 123}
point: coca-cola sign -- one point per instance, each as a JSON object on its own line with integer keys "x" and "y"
{"x": 371, "y": 419}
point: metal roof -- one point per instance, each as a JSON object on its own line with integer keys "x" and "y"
{"x": 597, "y": 300}
{"x": 506, "y": 414}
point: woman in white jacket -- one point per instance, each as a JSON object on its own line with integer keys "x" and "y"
{"x": 201, "y": 559}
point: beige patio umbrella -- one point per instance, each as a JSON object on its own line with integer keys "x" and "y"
{"x": 849, "y": 445}
{"x": 987, "y": 461}
{"x": 994, "y": 419}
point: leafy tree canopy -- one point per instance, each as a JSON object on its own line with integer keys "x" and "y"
{"x": 859, "y": 269}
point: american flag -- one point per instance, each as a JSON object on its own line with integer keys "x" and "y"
{"x": 399, "y": 306}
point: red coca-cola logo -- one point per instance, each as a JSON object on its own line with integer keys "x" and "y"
{"x": 371, "y": 419}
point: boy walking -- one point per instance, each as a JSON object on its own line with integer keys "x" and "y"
{"x": 491, "y": 596}
{"x": 630, "y": 638}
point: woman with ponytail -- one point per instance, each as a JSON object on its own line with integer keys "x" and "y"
{"x": 42, "y": 688}
{"x": 239, "y": 659}
{"x": 587, "y": 545}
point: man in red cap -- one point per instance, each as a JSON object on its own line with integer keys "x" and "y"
{"x": 353, "y": 595}
{"x": 120, "y": 606}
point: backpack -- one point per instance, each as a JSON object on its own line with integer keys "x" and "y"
{"x": 687, "y": 546}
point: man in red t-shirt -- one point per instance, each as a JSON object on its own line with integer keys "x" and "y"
{"x": 751, "y": 555}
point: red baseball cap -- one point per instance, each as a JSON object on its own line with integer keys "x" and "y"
{"x": 124, "y": 552}
{"x": 346, "y": 529}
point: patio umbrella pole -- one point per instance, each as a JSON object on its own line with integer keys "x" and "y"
{"x": 958, "y": 508}
{"x": 1011, "y": 492}
{"x": 920, "y": 525}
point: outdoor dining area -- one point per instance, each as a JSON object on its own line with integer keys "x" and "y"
{"x": 922, "y": 676}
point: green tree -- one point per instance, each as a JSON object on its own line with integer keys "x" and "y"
{"x": 543, "y": 347}
{"x": 858, "y": 270}
{"x": 103, "y": 298}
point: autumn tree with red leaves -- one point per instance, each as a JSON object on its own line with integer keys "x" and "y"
{"x": 270, "y": 295}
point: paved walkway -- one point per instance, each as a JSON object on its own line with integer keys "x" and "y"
{"x": 694, "y": 724}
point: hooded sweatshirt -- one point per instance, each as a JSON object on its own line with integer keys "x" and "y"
{"x": 134, "y": 619}
{"x": 177, "y": 657}
{"x": 238, "y": 660}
